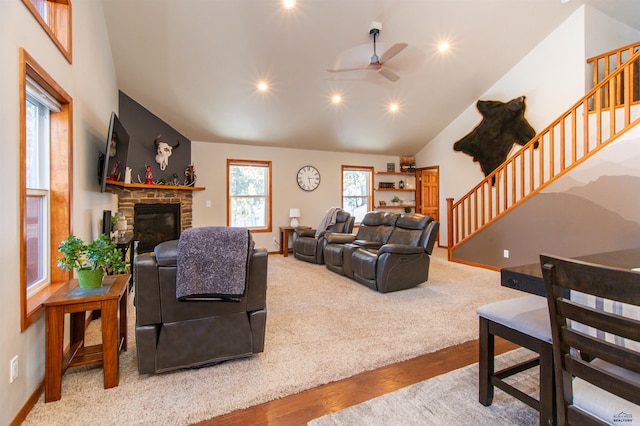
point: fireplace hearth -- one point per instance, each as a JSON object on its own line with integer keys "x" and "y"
{"x": 155, "y": 223}
{"x": 133, "y": 196}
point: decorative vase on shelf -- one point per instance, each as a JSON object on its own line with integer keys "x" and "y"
{"x": 89, "y": 278}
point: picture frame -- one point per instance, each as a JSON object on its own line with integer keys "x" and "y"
{"x": 407, "y": 164}
{"x": 391, "y": 167}
{"x": 410, "y": 182}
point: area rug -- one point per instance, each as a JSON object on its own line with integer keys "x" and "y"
{"x": 321, "y": 327}
{"x": 449, "y": 399}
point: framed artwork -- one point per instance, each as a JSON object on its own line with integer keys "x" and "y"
{"x": 391, "y": 167}
{"x": 410, "y": 182}
{"x": 407, "y": 164}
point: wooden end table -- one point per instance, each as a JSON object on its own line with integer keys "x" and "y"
{"x": 284, "y": 239}
{"x": 73, "y": 300}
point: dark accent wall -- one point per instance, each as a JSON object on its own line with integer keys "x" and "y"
{"x": 143, "y": 127}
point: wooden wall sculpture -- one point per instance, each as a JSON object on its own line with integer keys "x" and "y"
{"x": 502, "y": 125}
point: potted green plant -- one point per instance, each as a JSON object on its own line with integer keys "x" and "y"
{"x": 395, "y": 200}
{"x": 91, "y": 261}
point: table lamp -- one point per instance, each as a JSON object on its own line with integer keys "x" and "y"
{"x": 294, "y": 214}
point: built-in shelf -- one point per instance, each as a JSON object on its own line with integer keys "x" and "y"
{"x": 396, "y": 207}
{"x": 396, "y": 178}
{"x": 396, "y": 173}
{"x": 145, "y": 186}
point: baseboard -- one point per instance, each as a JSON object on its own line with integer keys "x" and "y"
{"x": 26, "y": 408}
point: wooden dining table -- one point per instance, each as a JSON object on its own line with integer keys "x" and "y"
{"x": 528, "y": 278}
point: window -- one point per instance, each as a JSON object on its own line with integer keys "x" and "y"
{"x": 37, "y": 186}
{"x": 357, "y": 184}
{"x": 55, "y": 18}
{"x": 249, "y": 194}
{"x": 45, "y": 184}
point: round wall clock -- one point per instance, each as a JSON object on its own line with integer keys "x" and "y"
{"x": 308, "y": 178}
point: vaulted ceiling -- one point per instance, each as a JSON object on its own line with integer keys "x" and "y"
{"x": 196, "y": 64}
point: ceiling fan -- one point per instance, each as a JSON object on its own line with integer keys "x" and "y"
{"x": 377, "y": 64}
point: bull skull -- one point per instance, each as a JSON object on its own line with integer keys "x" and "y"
{"x": 163, "y": 152}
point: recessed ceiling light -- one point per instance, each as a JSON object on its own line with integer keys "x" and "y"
{"x": 443, "y": 46}
{"x": 393, "y": 107}
{"x": 336, "y": 99}
{"x": 288, "y": 4}
{"x": 263, "y": 86}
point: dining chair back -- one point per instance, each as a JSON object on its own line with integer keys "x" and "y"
{"x": 596, "y": 341}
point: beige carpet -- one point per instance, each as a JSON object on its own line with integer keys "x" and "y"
{"x": 450, "y": 399}
{"x": 321, "y": 327}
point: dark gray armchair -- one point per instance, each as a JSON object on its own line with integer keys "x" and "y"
{"x": 310, "y": 248}
{"x": 173, "y": 334}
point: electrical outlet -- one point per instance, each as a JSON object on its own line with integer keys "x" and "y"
{"x": 14, "y": 369}
{"x": 276, "y": 242}
{"x": 506, "y": 254}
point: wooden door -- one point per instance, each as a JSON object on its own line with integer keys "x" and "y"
{"x": 429, "y": 194}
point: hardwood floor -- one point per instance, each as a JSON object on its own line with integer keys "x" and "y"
{"x": 302, "y": 407}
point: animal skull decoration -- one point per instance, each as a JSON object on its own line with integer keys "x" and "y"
{"x": 163, "y": 152}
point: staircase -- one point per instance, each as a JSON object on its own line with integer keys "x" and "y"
{"x": 606, "y": 112}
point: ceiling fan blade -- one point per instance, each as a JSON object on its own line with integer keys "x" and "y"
{"x": 389, "y": 74}
{"x": 347, "y": 69}
{"x": 392, "y": 51}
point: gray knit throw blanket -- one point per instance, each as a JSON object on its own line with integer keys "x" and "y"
{"x": 213, "y": 263}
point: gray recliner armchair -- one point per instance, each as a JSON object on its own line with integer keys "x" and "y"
{"x": 310, "y": 248}
{"x": 173, "y": 334}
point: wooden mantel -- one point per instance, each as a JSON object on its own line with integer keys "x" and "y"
{"x": 145, "y": 186}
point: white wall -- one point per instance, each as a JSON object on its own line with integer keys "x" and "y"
{"x": 285, "y": 191}
{"x": 551, "y": 77}
{"x": 91, "y": 82}
{"x": 604, "y": 34}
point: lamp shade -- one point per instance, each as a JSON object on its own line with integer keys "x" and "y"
{"x": 294, "y": 214}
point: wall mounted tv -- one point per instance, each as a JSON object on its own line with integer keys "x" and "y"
{"x": 112, "y": 163}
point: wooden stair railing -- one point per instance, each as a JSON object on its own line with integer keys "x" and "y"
{"x": 604, "y": 64}
{"x": 567, "y": 142}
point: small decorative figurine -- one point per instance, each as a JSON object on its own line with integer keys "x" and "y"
{"x": 149, "y": 176}
{"x": 190, "y": 173}
{"x": 114, "y": 172}
{"x": 175, "y": 180}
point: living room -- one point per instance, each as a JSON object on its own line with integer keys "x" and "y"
{"x": 551, "y": 75}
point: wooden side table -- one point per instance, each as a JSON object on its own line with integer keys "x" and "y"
{"x": 284, "y": 239}
{"x": 73, "y": 300}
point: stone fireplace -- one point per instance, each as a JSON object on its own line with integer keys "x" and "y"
{"x": 165, "y": 212}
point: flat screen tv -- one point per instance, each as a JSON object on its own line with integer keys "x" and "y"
{"x": 113, "y": 161}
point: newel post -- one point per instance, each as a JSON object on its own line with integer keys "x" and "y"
{"x": 449, "y": 227}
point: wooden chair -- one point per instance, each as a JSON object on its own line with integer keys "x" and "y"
{"x": 524, "y": 321}
{"x": 596, "y": 341}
